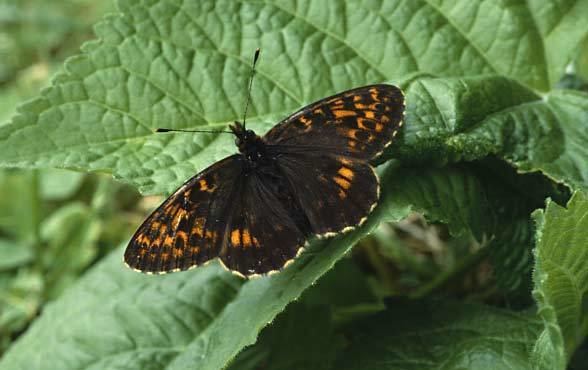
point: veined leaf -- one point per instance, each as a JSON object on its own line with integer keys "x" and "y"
{"x": 452, "y": 120}
{"x": 183, "y": 64}
{"x": 440, "y": 335}
{"x": 561, "y": 280}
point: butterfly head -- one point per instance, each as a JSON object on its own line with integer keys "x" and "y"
{"x": 249, "y": 144}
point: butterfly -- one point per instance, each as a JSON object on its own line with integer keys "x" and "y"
{"x": 309, "y": 175}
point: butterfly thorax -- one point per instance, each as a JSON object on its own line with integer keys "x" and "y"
{"x": 250, "y": 145}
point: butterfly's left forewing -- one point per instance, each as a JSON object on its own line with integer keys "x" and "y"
{"x": 188, "y": 228}
{"x": 249, "y": 220}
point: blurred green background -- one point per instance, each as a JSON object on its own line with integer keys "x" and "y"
{"x": 54, "y": 224}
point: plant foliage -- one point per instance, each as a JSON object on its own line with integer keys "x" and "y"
{"x": 493, "y": 150}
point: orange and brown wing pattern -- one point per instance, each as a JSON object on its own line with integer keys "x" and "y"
{"x": 358, "y": 123}
{"x": 188, "y": 229}
{"x": 310, "y": 177}
{"x": 248, "y": 219}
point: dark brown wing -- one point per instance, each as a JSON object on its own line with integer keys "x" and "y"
{"x": 335, "y": 192}
{"x": 189, "y": 228}
{"x": 357, "y": 123}
{"x": 323, "y": 151}
{"x": 267, "y": 226}
{"x": 248, "y": 219}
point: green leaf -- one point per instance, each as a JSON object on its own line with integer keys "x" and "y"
{"x": 485, "y": 200}
{"x": 561, "y": 280}
{"x": 302, "y": 337}
{"x": 430, "y": 334}
{"x": 70, "y": 234}
{"x": 20, "y": 301}
{"x": 13, "y": 255}
{"x": 452, "y": 120}
{"x": 183, "y": 64}
{"x": 176, "y": 64}
{"x": 59, "y": 184}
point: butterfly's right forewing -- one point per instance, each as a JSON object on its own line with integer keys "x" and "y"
{"x": 358, "y": 123}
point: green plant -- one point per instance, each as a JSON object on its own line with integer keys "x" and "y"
{"x": 488, "y": 138}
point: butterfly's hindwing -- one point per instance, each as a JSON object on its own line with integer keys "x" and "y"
{"x": 335, "y": 192}
{"x": 358, "y": 123}
{"x": 266, "y": 228}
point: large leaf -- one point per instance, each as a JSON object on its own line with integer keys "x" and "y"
{"x": 424, "y": 335}
{"x": 561, "y": 280}
{"x": 185, "y": 63}
{"x": 450, "y": 120}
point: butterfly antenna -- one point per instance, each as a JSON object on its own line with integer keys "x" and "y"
{"x": 180, "y": 130}
{"x": 255, "y": 57}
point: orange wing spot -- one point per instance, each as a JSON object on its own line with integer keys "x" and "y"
{"x": 343, "y": 183}
{"x": 307, "y": 122}
{"x": 194, "y": 250}
{"x": 340, "y": 113}
{"x": 346, "y": 172}
{"x": 204, "y": 186}
{"x": 164, "y": 256}
{"x": 351, "y": 134}
{"x": 162, "y": 229}
{"x": 369, "y": 114}
{"x": 342, "y": 194}
{"x": 344, "y": 161}
{"x": 142, "y": 238}
{"x": 152, "y": 256}
{"x": 385, "y": 119}
{"x": 360, "y": 124}
{"x": 143, "y": 251}
{"x": 356, "y": 98}
{"x": 198, "y": 227}
{"x": 351, "y": 143}
{"x": 168, "y": 241}
{"x": 379, "y": 127}
{"x": 318, "y": 111}
{"x": 235, "y": 238}
{"x": 178, "y": 218}
{"x": 255, "y": 242}
{"x": 246, "y": 238}
{"x": 177, "y": 252}
{"x": 210, "y": 234}
{"x": 361, "y": 106}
